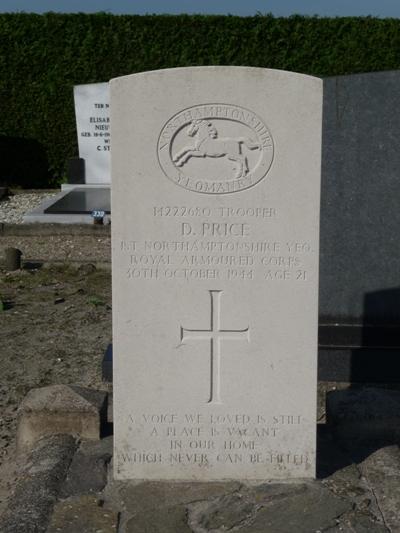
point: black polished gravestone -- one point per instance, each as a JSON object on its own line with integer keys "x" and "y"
{"x": 359, "y": 299}
{"x": 82, "y": 201}
{"x": 359, "y": 296}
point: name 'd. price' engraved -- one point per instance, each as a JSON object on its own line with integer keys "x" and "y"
{"x": 215, "y": 335}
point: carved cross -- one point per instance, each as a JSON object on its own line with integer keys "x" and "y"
{"x": 215, "y": 335}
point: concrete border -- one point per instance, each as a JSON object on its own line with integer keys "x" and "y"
{"x": 43, "y": 229}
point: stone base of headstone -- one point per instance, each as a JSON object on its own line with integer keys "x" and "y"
{"x": 60, "y": 409}
{"x": 62, "y": 487}
{"x": 364, "y": 415}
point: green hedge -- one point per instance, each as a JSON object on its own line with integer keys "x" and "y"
{"x": 43, "y": 56}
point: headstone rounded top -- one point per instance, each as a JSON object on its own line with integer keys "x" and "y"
{"x": 223, "y": 69}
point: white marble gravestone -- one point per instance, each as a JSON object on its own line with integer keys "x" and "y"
{"x": 92, "y": 111}
{"x": 215, "y": 201}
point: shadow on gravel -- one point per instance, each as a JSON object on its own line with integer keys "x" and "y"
{"x": 334, "y": 455}
{"x": 107, "y": 430}
{"x": 365, "y": 417}
{"x": 32, "y": 265}
{"x": 330, "y": 457}
{"x": 6, "y": 305}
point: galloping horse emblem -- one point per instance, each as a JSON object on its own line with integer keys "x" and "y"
{"x": 207, "y": 144}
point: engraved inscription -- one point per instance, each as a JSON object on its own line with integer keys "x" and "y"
{"x": 208, "y": 439}
{"x": 205, "y": 211}
{"x": 230, "y": 259}
{"x": 218, "y": 243}
{"x": 97, "y": 128}
{"x": 215, "y": 149}
{"x": 215, "y": 335}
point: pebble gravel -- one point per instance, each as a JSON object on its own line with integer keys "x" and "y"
{"x": 14, "y": 207}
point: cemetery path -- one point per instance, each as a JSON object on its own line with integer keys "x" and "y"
{"x": 55, "y": 325}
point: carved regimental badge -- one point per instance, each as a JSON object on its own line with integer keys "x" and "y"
{"x": 215, "y": 149}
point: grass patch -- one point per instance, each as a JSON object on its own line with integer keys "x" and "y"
{"x": 96, "y": 301}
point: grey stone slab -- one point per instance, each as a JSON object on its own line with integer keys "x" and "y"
{"x": 167, "y": 520}
{"x": 41, "y": 475}
{"x": 88, "y": 470}
{"x": 67, "y": 409}
{"x": 313, "y": 510}
{"x": 215, "y": 272}
{"x": 356, "y": 522}
{"x": 354, "y": 499}
{"x": 136, "y": 497}
{"x": 222, "y": 514}
{"x": 300, "y": 510}
{"x": 48, "y": 218}
{"x": 360, "y": 219}
{"x": 350, "y": 484}
{"x": 382, "y": 472}
{"x": 44, "y": 230}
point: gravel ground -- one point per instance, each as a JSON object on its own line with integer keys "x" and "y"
{"x": 14, "y": 207}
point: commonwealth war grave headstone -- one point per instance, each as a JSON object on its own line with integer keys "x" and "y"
{"x": 216, "y": 183}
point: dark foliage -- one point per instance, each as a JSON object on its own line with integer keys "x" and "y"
{"x": 43, "y": 56}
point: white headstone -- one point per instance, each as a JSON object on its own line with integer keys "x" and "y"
{"x": 215, "y": 201}
{"x": 92, "y": 110}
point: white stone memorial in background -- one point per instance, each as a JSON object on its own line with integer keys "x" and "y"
{"x": 215, "y": 202}
{"x": 92, "y": 110}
